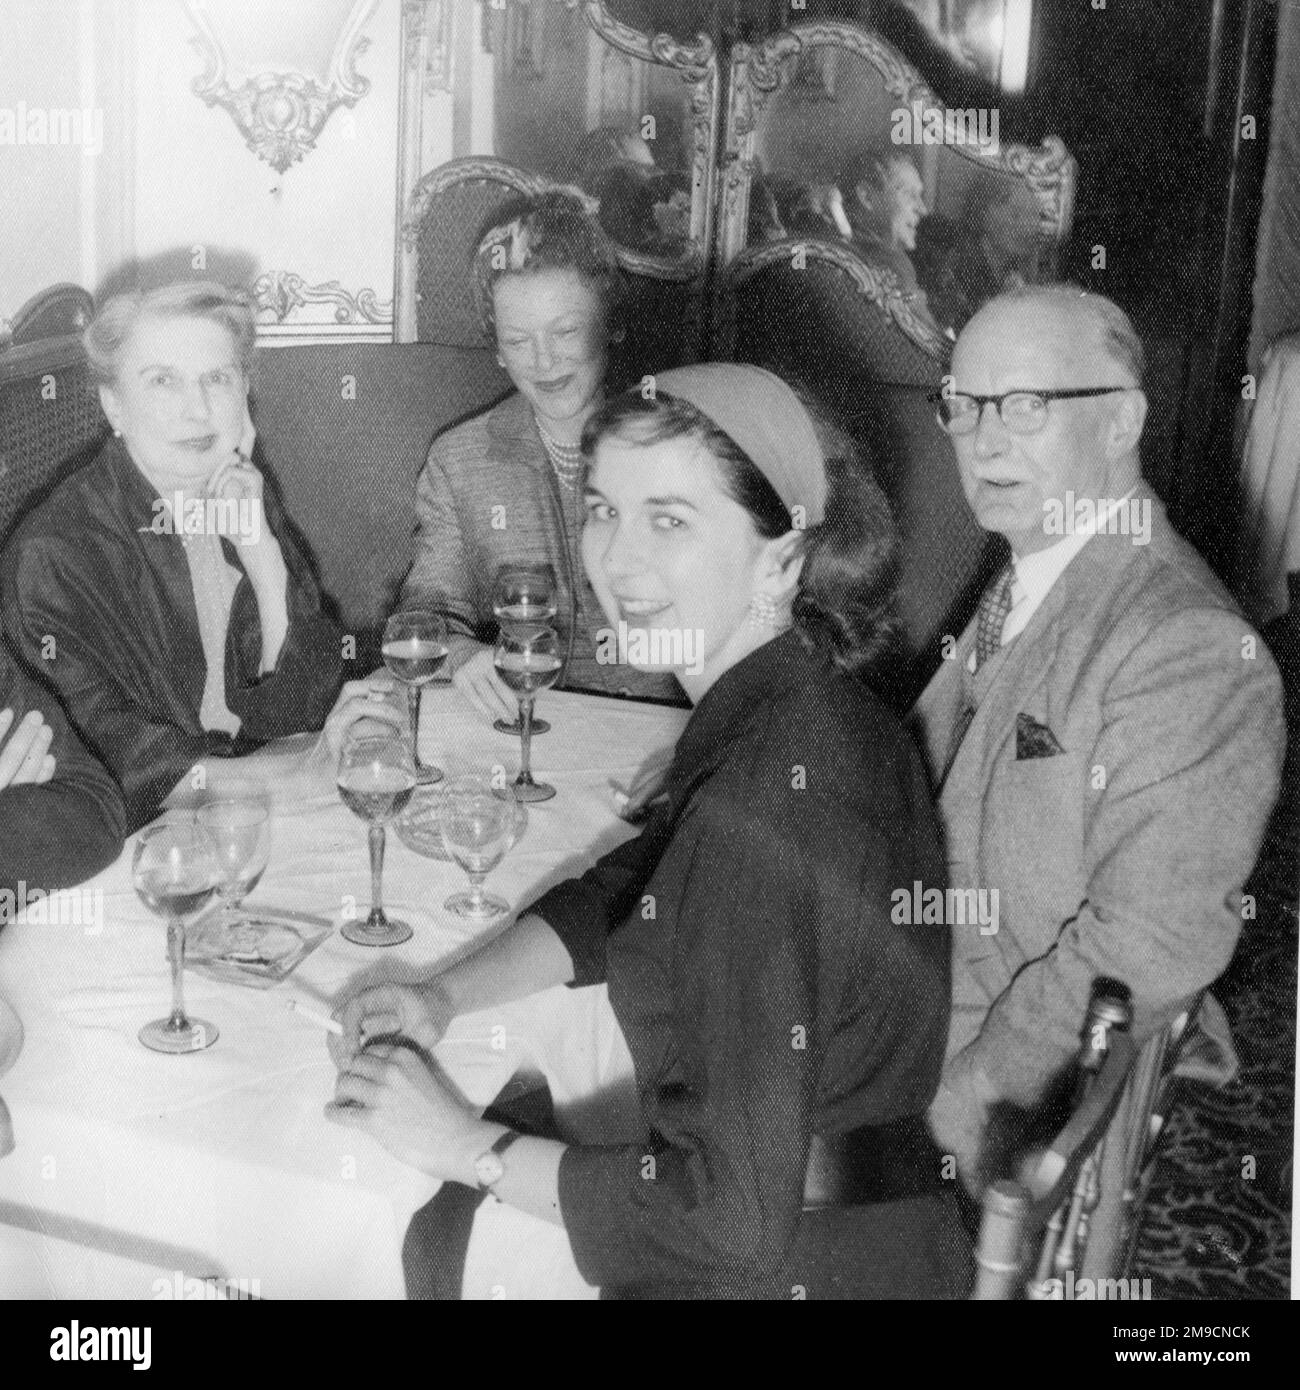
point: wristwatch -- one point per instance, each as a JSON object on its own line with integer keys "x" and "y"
{"x": 488, "y": 1167}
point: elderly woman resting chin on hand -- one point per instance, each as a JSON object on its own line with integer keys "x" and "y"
{"x": 158, "y": 589}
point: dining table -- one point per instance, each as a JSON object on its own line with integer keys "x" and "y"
{"x": 216, "y": 1174}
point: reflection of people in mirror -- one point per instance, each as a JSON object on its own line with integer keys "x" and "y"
{"x": 642, "y": 206}
{"x": 884, "y": 198}
{"x": 806, "y": 210}
{"x": 885, "y": 201}
{"x": 994, "y": 247}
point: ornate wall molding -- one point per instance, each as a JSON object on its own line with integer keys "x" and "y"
{"x": 281, "y": 294}
{"x": 281, "y": 114}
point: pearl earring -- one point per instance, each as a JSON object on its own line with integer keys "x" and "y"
{"x": 762, "y": 611}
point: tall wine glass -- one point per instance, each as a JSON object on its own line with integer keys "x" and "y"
{"x": 478, "y": 828}
{"x": 239, "y": 826}
{"x": 376, "y": 779}
{"x": 524, "y": 593}
{"x": 415, "y": 646}
{"x": 528, "y": 660}
{"x": 174, "y": 870}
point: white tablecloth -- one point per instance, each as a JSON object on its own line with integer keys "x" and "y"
{"x": 130, "y": 1166}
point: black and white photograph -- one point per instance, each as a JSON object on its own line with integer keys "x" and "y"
{"x": 650, "y": 651}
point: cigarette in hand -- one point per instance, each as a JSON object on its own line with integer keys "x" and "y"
{"x": 328, "y": 1024}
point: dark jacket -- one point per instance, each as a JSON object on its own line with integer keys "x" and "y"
{"x": 104, "y": 609}
{"x": 64, "y": 831}
{"x": 766, "y": 994}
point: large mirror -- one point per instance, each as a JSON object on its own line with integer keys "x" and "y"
{"x": 565, "y": 92}
{"x": 834, "y": 137}
{"x": 579, "y": 100}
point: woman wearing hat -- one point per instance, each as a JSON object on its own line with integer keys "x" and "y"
{"x": 786, "y": 1033}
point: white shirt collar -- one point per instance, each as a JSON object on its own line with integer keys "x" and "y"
{"x": 1036, "y": 574}
{"x": 1032, "y": 576}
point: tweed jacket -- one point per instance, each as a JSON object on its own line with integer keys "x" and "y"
{"x": 1113, "y": 789}
{"x": 488, "y": 496}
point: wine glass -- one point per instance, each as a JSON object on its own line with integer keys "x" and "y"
{"x": 528, "y": 660}
{"x": 478, "y": 828}
{"x": 524, "y": 593}
{"x": 376, "y": 779}
{"x": 174, "y": 870}
{"x": 239, "y": 826}
{"x": 415, "y": 646}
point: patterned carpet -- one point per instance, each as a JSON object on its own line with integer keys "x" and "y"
{"x": 1211, "y": 1229}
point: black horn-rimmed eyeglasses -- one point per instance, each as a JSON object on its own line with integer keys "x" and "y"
{"x": 1022, "y": 412}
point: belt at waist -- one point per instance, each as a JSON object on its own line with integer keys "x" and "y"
{"x": 873, "y": 1163}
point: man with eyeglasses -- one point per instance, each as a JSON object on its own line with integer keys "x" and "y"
{"x": 1107, "y": 737}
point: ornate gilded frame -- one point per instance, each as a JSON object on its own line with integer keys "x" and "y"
{"x": 756, "y": 69}
{"x": 697, "y": 63}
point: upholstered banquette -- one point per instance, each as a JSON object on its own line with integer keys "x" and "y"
{"x": 343, "y": 430}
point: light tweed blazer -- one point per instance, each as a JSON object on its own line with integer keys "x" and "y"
{"x": 486, "y": 497}
{"x": 1123, "y": 854}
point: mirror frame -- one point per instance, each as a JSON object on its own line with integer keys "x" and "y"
{"x": 1049, "y": 170}
{"x": 697, "y": 62}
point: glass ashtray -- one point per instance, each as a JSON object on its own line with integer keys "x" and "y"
{"x": 417, "y": 827}
{"x": 259, "y": 949}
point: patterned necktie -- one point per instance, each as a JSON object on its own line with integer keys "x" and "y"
{"x": 991, "y": 617}
{"x": 995, "y": 604}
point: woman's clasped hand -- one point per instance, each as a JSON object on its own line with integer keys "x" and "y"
{"x": 389, "y": 1085}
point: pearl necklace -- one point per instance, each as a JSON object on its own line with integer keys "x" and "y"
{"x": 566, "y": 459}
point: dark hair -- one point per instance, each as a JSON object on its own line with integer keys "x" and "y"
{"x": 844, "y": 603}
{"x": 549, "y": 231}
{"x": 869, "y": 173}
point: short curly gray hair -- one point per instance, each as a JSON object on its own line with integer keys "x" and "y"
{"x": 185, "y": 299}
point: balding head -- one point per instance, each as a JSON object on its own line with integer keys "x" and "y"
{"x": 1087, "y": 328}
{"x": 1049, "y": 338}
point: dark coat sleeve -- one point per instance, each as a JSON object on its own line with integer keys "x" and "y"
{"x": 714, "y": 1193}
{"x": 582, "y": 911}
{"x": 300, "y": 692}
{"x": 765, "y": 989}
{"x": 64, "y": 831}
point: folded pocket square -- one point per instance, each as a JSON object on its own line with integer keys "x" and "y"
{"x": 1034, "y": 740}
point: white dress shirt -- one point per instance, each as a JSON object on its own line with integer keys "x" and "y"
{"x": 1033, "y": 575}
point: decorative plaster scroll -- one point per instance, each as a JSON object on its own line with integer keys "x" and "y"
{"x": 280, "y": 114}
{"x": 282, "y": 293}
